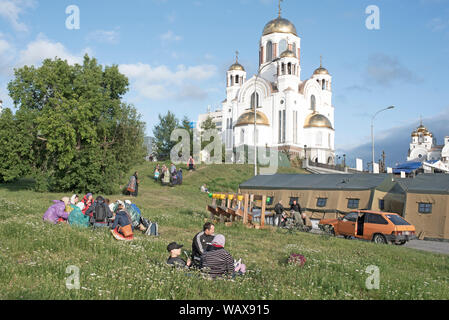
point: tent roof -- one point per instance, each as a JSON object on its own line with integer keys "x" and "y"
{"x": 437, "y": 183}
{"x": 315, "y": 182}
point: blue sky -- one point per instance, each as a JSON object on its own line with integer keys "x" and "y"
{"x": 176, "y": 53}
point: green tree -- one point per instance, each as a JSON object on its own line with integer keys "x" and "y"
{"x": 15, "y": 146}
{"x": 84, "y": 138}
{"x": 162, "y": 133}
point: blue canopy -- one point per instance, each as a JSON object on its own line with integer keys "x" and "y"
{"x": 407, "y": 167}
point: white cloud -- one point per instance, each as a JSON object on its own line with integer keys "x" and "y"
{"x": 104, "y": 36}
{"x": 12, "y": 9}
{"x": 385, "y": 70}
{"x": 158, "y": 83}
{"x": 170, "y": 36}
{"x": 7, "y": 54}
{"x": 43, "y": 48}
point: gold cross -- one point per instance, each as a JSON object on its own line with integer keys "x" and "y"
{"x": 280, "y": 9}
{"x": 237, "y": 56}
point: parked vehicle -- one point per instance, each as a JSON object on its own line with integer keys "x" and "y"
{"x": 379, "y": 227}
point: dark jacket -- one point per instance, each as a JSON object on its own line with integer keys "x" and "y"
{"x": 278, "y": 208}
{"x": 200, "y": 243}
{"x": 177, "y": 262}
{"x": 121, "y": 219}
{"x": 296, "y": 207}
{"x": 217, "y": 261}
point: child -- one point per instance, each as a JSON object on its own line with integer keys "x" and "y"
{"x": 174, "y": 259}
{"x": 156, "y": 175}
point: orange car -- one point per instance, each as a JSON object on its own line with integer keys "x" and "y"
{"x": 380, "y": 227}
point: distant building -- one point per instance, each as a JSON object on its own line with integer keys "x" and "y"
{"x": 424, "y": 148}
{"x": 216, "y": 116}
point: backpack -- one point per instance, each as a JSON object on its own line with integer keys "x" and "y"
{"x": 100, "y": 211}
{"x": 152, "y": 228}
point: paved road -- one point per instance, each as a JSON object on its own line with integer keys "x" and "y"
{"x": 430, "y": 246}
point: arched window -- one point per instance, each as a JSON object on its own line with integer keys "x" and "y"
{"x": 254, "y": 100}
{"x": 324, "y": 85}
{"x": 283, "y": 68}
{"x": 236, "y": 79}
{"x": 313, "y": 103}
{"x": 232, "y": 80}
{"x": 282, "y": 46}
{"x": 289, "y": 68}
{"x": 242, "y": 136}
{"x": 269, "y": 51}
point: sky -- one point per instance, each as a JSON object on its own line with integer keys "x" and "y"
{"x": 176, "y": 54}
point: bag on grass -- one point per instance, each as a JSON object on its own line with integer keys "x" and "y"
{"x": 127, "y": 231}
{"x": 152, "y": 229}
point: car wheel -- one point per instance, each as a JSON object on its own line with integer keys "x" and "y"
{"x": 379, "y": 238}
{"x": 347, "y": 237}
{"x": 400, "y": 243}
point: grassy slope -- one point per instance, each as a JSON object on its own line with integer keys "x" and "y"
{"x": 35, "y": 255}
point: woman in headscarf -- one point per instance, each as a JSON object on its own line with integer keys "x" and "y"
{"x": 133, "y": 185}
{"x": 87, "y": 201}
{"x": 57, "y": 212}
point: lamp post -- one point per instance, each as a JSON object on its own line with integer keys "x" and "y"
{"x": 372, "y": 132}
{"x": 255, "y": 112}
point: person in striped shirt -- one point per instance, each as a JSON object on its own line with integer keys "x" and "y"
{"x": 216, "y": 261}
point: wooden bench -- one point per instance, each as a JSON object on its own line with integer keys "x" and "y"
{"x": 213, "y": 211}
{"x": 223, "y": 214}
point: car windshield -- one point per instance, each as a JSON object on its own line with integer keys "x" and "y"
{"x": 397, "y": 220}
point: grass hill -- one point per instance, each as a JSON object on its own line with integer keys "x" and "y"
{"x": 35, "y": 255}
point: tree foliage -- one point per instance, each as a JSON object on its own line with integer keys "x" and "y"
{"x": 81, "y": 136}
{"x": 162, "y": 133}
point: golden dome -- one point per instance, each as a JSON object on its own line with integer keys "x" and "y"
{"x": 321, "y": 70}
{"x": 247, "y": 118}
{"x": 423, "y": 130}
{"x": 316, "y": 120}
{"x": 236, "y": 66}
{"x": 288, "y": 54}
{"x": 279, "y": 25}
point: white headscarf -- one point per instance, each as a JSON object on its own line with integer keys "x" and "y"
{"x": 72, "y": 199}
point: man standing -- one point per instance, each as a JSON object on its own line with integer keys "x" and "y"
{"x": 279, "y": 210}
{"x": 201, "y": 241}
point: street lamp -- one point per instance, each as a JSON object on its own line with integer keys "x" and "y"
{"x": 372, "y": 131}
{"x": 255, "y": 112}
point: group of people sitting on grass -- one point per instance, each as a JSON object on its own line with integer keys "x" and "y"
{"x": 208, "y": 255}
{"x": 167, "y": 176}
{"x": 121, "y": 217}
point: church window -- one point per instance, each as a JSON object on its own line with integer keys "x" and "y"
{"x": 236, "y": 79}
{"x": 283, "y": 126}
{"x": 283, "y": 68}
{"x": 282, "y": 46}
{"x": 280, "y": 127}
{"x": 313, "y": 103}
{"x": 242, "y": 136}
{"x": 294, "y": 48}
{"x": 289, "y": 68}
{"x": 324, "y": 85}
{"x": 269, "y": 51}
{"x": 232, "y": 80}
{"x": 319, "y": 139}
{"x": 254, "y": 100}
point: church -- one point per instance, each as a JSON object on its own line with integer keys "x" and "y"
{"x": 294, "y": 114}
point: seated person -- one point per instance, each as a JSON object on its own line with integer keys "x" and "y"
{"x": 57, "y": 212}
{"x": 216, "y": 261}
{"x": 122, "y": 226}
{"x": 175, "y": 251}
{"x": 201, "y": 241}
{"x": 204, "y": 188}
{"x": 295, "y": 208}
{"x": 99, "y": 213}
